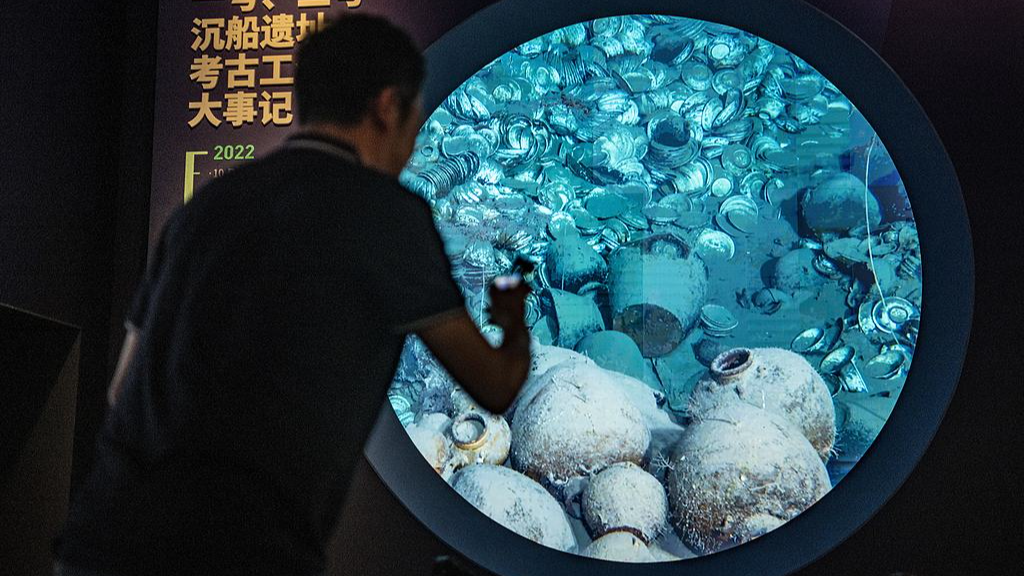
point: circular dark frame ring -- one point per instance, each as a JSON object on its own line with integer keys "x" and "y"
{"x": 948, "y": 287}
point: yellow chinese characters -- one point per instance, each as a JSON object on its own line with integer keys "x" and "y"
{"x": 253, "y": 51}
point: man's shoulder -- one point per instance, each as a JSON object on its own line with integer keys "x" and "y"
{"x": 329, "y": 171}
{"x": 311, "y": 183}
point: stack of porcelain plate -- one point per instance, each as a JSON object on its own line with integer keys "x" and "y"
{"x": 737, "y": 215}
{"x": 689, "y": 213}
{"x": 717, "y": 320}
{"x": 402, "y": 407}
{"x": 661, "y": 213}
{"x": 714, "y": 245}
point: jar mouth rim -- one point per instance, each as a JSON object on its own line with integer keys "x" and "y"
{"x": 476, "y": 441}
{"x": 639, "y": 534}
{"x": 731, "y": 363}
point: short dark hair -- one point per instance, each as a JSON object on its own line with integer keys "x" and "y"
{"x": 344, "y": 66}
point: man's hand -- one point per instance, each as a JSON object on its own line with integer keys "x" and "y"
{"x": 492, "y": 376}
{"x": 508, "y": 305}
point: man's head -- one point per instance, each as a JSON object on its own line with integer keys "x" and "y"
{"x": 363, "y": 74}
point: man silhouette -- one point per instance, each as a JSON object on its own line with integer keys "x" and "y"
{"x": 266, "y": 332}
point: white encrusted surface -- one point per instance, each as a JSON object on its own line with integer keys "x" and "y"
{"x": 467, "y": 430}
{"x": 735, "y": 466}
{"x": 662, "y": 555}
{"x": 782, "y": 382}
{"x": 664, "y": 431}
{"x": 623, "y": 495}
{"x": 434, "y": 421}
{"x": 542, "y": 359}
{"x": 496, "y": 445}
{"x": 517, "y": 503}
{"x": 576, "y": 425}
{"x": 620, "y": 547}
{"x": 463, "y": 402}
{"x": 433, "y": 445}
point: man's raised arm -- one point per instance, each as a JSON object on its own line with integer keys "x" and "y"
{"x": 492, "y": 376}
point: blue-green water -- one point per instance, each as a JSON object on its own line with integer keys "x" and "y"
{"x": 684, "y": 188}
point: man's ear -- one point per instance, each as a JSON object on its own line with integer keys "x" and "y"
{"x": 386, "y": 109}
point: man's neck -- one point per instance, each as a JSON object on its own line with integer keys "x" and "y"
{"x": 361, "y": 137}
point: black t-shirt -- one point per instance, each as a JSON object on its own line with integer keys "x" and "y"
{"x": 271, "y": 321}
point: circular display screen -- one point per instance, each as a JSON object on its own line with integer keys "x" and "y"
{"x": 726, "y": 292}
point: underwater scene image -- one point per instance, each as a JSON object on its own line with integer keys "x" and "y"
{"x": 726, "y": 290}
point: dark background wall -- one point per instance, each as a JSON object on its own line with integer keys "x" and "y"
{"x": 76, "y": 92}
{"x": 76, "y": 122}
